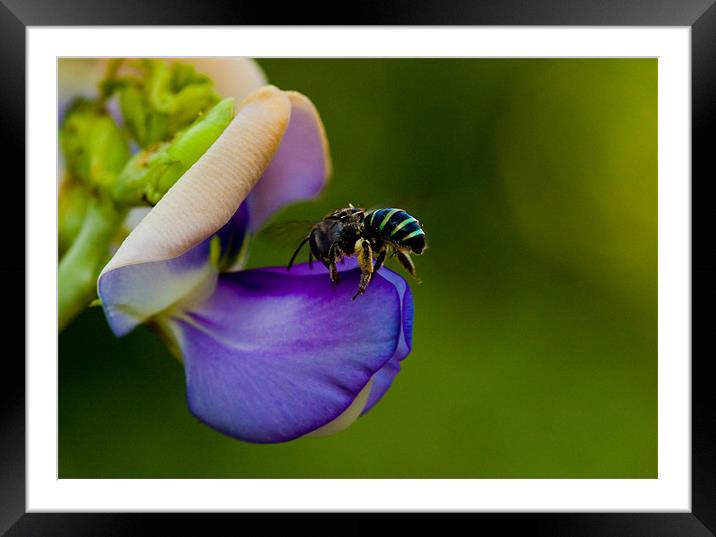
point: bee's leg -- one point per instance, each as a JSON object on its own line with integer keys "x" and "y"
{"x": 333, "y": 253}
{"x": 310, "y": 259}
{"x": 334, "y": 273}
{"x": 380, "y": 259}
{"x": 405, "y": 260}
{"x": 330, "y": 264}
{"x": 339, "y": 256}
{"x": 364, "y": 254}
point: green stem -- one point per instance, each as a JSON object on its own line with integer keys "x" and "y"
{"x": 73, "y": 198}
{"x": 83, "y": 261}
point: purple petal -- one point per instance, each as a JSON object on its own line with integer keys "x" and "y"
{"x": 383, "y": 379}
{"x": 300, "y": 168}
{"x": 273, "y": 355}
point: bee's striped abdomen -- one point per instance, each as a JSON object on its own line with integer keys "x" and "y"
{"x": 398, "y": 226}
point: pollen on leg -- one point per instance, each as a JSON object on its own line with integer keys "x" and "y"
{"x": 364, "y": 254}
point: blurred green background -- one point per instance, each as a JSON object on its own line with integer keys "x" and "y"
{"x": 535, "y": 343}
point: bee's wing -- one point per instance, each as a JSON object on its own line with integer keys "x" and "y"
{"x": 290, "y": 232}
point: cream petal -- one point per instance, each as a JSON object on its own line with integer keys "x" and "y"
{"x": 209, "y": 193}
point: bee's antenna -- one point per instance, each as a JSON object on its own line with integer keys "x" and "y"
{"x": 293, "y": 257}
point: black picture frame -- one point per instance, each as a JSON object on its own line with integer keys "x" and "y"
{"x": 699, "y": 15}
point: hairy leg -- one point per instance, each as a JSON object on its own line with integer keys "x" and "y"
{"x": 333, "y": 253}
{"x": 407, "y": 263}
{"x": 364, "y": 254}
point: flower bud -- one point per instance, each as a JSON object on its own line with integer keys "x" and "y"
{"x": 93, "y": 146}
{"x": 163, "y": 100}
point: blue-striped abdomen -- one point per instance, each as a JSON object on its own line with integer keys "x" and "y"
{"x": 397, "y": 226}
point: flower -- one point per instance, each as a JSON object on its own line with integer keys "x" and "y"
{"x": 163, "y": 111}
{"x": 269, "y": 355}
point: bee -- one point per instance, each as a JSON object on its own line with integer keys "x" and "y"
{"x": 367, "y": 235}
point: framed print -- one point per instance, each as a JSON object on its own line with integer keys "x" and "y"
{"x": 444, "y": 268}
